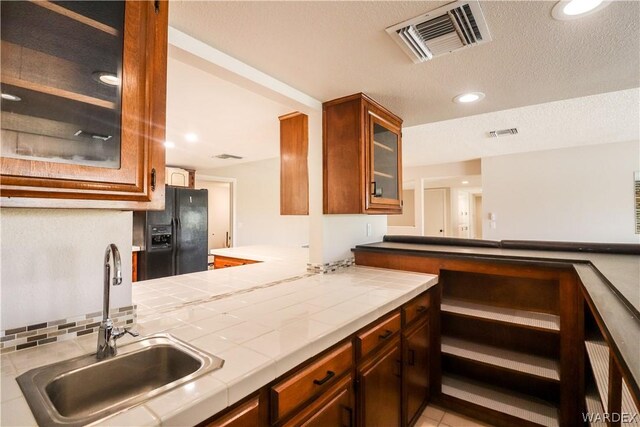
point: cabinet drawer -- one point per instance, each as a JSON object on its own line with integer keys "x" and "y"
{"x": 289, "y": 393}
{"x": 378, "y": 334}
{"x": 419, "y": 306}
{"x": 245, "y": 415}
{"x": 333, "y": 408}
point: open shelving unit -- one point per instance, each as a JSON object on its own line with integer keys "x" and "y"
{"x": 500, "y": 346}
{"x": 599, "y": 372}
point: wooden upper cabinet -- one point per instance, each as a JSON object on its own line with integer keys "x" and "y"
{"x": 86, "y": 123}
{"x": 294, "y": 170}
{"x": 362, "y": 157}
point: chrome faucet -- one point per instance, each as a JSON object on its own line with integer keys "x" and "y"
{"x": 108, "y": 334}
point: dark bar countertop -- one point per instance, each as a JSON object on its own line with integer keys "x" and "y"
{"x": 610, "y": 274}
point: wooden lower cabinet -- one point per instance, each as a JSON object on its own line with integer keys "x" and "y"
{"x": 358, "y": 381}
{"x": 416, "y": 370}
{"x": 245, "y": 415}
{"x": 333, "y": 409}
{"x": 379, "y": 388}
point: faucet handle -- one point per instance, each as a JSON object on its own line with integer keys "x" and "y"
{"x": 120, "y": 332}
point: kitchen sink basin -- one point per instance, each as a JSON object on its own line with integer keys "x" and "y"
{"x": 84, "y": 389}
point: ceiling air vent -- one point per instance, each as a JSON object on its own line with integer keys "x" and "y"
{"x": 227, "y": 156}
{"x": 503, "y": 132}
{"x": 452, "y": 27}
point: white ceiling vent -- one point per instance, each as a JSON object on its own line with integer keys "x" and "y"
{"x": 452, "y": 27}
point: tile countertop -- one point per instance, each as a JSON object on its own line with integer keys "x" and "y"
{"x": 263, "y": 319}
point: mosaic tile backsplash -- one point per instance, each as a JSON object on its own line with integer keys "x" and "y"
{"x": 62, "y": 329}
{"x": 328, "y": 267}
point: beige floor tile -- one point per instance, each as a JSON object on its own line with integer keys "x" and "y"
{"x": 433, "y": 412}
{"x": 456, "y": 420}
{"x": 426, "y": 422}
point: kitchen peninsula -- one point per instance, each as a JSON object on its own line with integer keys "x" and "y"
{"x": 263, "y": 319}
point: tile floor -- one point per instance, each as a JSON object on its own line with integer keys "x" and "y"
{"x": 434, "y": 416}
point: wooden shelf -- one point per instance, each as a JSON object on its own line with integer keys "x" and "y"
{"x": 594, "y": 405}
{"x": 530, "y": 319}
{"x": 382, "y": 174}
{"x": 381, "y": 145}
{"x": 505, "y": 401}
{"x": 598, "y": 352}
{"x": 507, "y": 359}
{"x": 76, "y": 17}
{"x": 36, "y": 87}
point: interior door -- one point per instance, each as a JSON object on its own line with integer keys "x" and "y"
{"x": 434, "y": 212}
{"x": 190, "y": 230}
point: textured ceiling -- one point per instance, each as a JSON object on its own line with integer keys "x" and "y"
{"x": 596, "y": 119}
{"x": 329, "y": 49}
{"x": 227, "y": 119}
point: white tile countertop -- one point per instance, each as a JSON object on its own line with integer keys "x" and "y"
{"x": 263, "y": 319}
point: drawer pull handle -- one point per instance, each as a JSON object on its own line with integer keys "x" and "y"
{"x": 421, "y": 308}
{"x": 330, "y": 374}
{"x": 386, "y": 334}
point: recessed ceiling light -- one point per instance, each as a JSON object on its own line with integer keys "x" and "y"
{"x": 573, "y": 9}
{"x": 109, "y": 79}
{"x": 169, "y": 144}
{"x": 191, "y": 137}
{"x": 465, "y": 98}
{"x": 10, "y": 97}
{"x": 465, "y": 182}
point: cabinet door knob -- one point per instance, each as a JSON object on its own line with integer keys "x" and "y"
{"x": 156, "y": 6}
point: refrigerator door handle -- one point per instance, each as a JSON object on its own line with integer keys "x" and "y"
{"x": 174, "y": 245}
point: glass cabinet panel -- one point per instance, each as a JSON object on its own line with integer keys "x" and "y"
{"x": 384, "y": 162}
{"x": 61, "y": 74}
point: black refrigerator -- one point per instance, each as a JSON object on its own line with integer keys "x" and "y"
{"x": 173, "y": 241}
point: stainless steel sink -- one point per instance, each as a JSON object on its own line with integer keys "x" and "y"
{"x": 84, "y": 389}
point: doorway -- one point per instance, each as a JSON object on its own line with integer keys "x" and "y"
{"x": 220, "y": 211}
{"x": 476, "y": 212}
{"x": 435, "y": 212}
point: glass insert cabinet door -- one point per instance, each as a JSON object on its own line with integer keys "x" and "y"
{"x": 83, "y": 99}
{"x": 384, "y": 171}
{"x": 61, "y": 81}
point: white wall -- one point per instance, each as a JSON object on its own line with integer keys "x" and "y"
{"x": 572, "y": 194}
{"x": 344, "y": 232}
{"x": 52, "y": 263}
{"x": 258, "y": 219}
